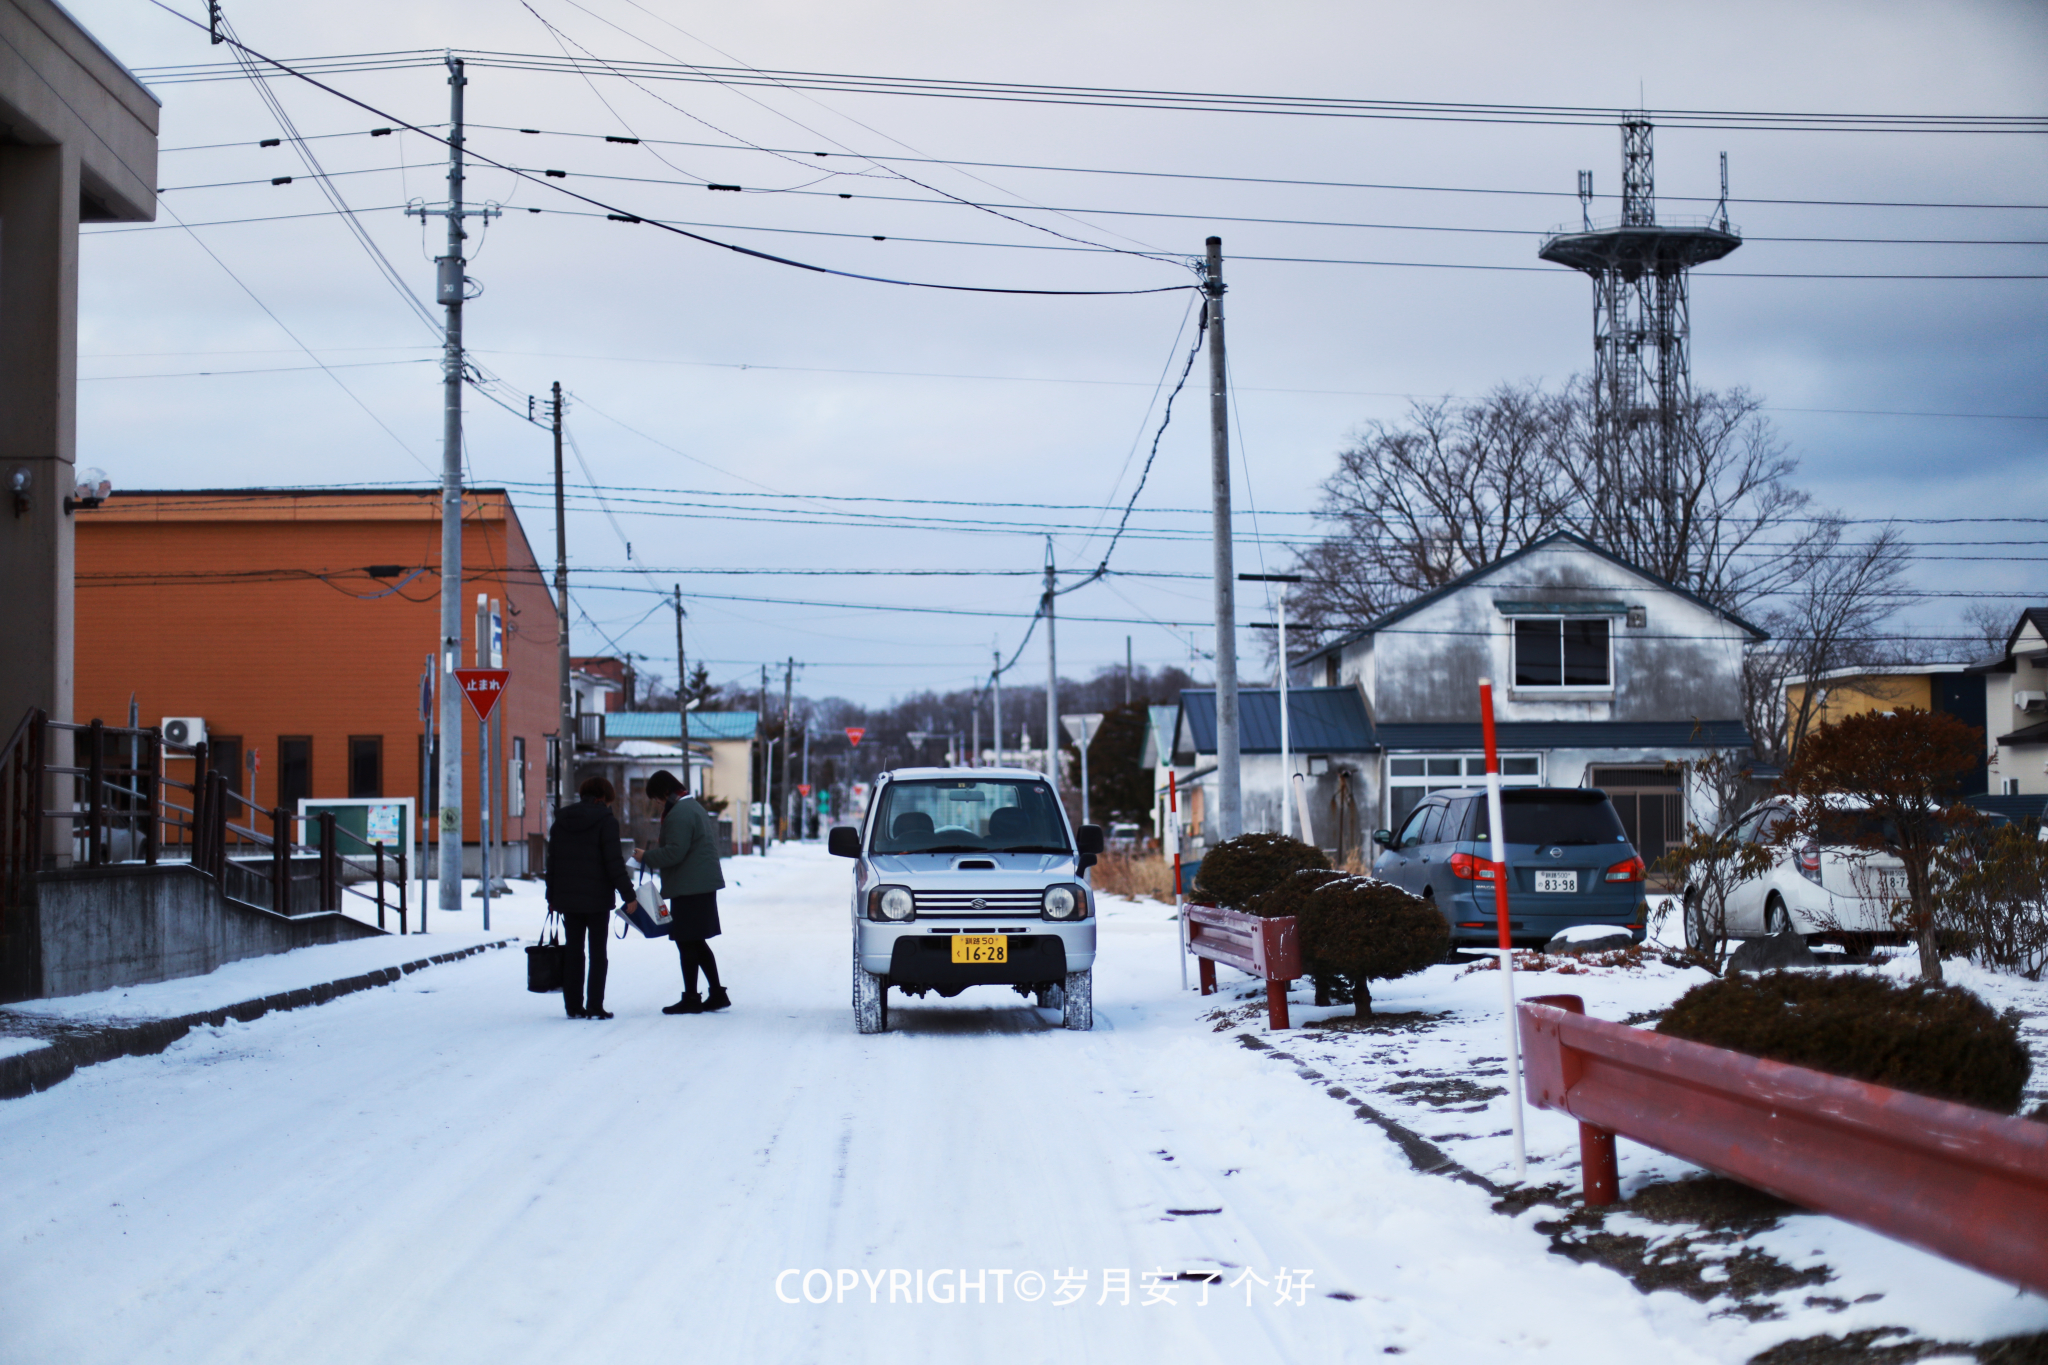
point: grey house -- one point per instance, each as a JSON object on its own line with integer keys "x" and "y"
{"x": 1604, "y": 675}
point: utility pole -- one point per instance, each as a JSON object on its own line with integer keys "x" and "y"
{"x": 995, "y": 687}
{"x": 449, "y": 282}
{"x": 1287, "y": 793}
{"x": 1128, "y": 670}
{"x": 788, "y": 718}
{"x": 682, "y": 694}
{"x": 974, "y": 743}
{"x": 565, "y": 747}
{"x": 1052, "y": 680}
{"x": 767, "y": 765}
{"x": 804, "y": 816}
{"x": 1229, "y": 792}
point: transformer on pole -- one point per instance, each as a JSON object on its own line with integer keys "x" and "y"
{"x": 1642, "y": 366}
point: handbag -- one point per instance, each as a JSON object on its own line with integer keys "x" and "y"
{"x": 547, "y": 960}
{"x": 647, "y": 912}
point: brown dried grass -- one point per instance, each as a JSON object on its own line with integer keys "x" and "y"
{"x": 1137, "y": 876}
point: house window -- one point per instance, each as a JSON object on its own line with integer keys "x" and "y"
{"x": 1651, "y": 805}
{"x": 365, "y": 765}
{"x": 294, "y": 770}
{"x": 515, "y": 780}
{"x": 1568, "y": 651}
{"x": 1410, "y": 778}
{"x": 2009, "y": 786}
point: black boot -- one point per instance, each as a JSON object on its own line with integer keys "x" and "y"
{"x": 597, "y": 1012}
{"x": 691, "y": 1003}
{"x": 718, "y": 999}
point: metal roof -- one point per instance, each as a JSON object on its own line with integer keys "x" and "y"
{"x": 1321, "y": 719}
{"x": 662, "y": 725}
{"x": 1573, "y": 734}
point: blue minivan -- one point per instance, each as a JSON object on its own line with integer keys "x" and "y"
{"x": 1569, "y": 862}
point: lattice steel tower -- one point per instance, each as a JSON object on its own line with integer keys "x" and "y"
{"x": 1642, "y": 367}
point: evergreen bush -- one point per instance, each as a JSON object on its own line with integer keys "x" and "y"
{"x": 1939, "y": 1041}
{"x": 1367, "y": 930}
{"x": 1332, "y": 987}
{"x": 1234, "y": 872}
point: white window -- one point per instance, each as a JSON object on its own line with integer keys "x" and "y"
{"x": 1412, "y": 777}
{"x": 1562, "y": 652}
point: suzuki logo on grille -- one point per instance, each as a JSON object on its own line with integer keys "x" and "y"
{"x": 978, "y": 903}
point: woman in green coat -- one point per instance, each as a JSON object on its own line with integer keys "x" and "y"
{"x": 687, "y": 857}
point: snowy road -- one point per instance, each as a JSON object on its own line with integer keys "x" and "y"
{"x": 448, "y": 1170}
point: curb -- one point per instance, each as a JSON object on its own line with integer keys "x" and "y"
{"x": 1424, "y": 1155}
{"x": 24, "y": 1073}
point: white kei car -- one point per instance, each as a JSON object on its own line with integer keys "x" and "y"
{"x": 1820, "y": 890}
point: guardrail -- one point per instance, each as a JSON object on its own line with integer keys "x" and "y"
{"x": 1962, "y": 1183}
{"x": 1265, "y": 948}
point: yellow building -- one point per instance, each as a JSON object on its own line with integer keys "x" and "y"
{"x": 1843, "y": 692}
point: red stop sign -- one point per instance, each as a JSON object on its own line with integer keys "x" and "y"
{"x": 483, "y": 687}
{"x": 854, "y": 734}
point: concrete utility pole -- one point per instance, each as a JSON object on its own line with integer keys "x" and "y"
{"x": 1286, "y": 752}
{"x": 995, "y": 687}
{"x": 565, "y": 746}
{"x": 1052, "y": 679}
{"x": 788, "y": 718}
{"x": 767, "y": 766}
{"x": 1229, "y": 791}
{"x": 449, "y": 282}
{"x": 1128, "y": 670}
{"x": 682, "y": 694}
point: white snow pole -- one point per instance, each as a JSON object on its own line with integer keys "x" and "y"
{"x": 1506, "y": 951}
{"x": 1308, "y": 833}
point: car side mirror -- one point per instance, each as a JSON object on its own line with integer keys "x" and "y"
{"x": 1383, "y": 837}
{"x": 843, "y": 841}
{"x": 1088, "y": 838}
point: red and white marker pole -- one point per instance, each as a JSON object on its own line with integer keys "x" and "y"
{"x": 1506, "y": 950}
{"x": 1180, "y": 909}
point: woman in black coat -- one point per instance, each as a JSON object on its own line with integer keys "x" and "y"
{"x": 586, "y": 877}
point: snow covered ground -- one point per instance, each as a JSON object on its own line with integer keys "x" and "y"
{"x": 447, "y": 1169}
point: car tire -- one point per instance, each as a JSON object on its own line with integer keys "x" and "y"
{"x": 1777, "y": 919}
{"x": 1696, "y": 935}
{"x": 870, "y": 1001}
{"x": 1077, "y": 1005}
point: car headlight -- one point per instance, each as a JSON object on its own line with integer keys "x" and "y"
{"x": 891, "y": 903}
{"x": 1065, "y": 902}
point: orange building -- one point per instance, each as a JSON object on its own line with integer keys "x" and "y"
{"x": 298, "y": 627}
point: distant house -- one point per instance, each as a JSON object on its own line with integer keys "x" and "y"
{"x": 1604, "y": 675}
{"x": 722, "y": 760}
{"x": 2016, "y": 716}
{"x": 1951, "y": 688}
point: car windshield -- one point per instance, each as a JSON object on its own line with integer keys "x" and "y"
{"x": 1553, "y": 817}
{"x": 969, "y": 816}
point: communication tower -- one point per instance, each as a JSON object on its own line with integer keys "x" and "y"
{"x": 1642, "y": 366}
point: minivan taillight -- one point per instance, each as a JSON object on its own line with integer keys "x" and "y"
{"x": 1809, "y": 861}
{"x": 1471, "y": 868}
{"x": 1630, "y": 871}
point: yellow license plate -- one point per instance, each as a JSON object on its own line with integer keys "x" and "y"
{"x": 981, "y": 948}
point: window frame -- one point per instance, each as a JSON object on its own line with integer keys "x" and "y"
{"x": 1561, "y": 687}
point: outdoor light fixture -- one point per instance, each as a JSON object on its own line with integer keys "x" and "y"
{"x": 94, "y": 488}
{"x": 18, "y": 482}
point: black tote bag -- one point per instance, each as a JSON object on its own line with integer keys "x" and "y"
{"x": 547, "y": 960}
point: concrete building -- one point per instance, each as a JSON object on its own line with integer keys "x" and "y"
{"x": 77, "y": 144}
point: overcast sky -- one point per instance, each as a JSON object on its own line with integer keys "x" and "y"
{"x": 693, "y": 368}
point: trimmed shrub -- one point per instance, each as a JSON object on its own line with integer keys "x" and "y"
{"x": 1939, "y": 1041}
{"x": 1369, "y": 930}
{"x": 1288, "y": 898}
{"x": 1233, "y": 873}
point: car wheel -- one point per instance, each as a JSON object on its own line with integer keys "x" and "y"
{"x": 1077, "y": 1008}
{"x": 1777, "y": 919}
{"x": 870, "y": 1001}
{"x": 1697, "y": 935}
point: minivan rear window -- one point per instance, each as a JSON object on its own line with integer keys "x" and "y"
{"x": 1553, "y": 817}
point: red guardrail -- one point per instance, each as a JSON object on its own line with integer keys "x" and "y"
{"x": 1265, "y": 948}
{"x": 1963, "y": 1183}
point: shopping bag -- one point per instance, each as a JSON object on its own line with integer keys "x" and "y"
{"x": 647, "y": 911}
{"x": 547, "y": 960}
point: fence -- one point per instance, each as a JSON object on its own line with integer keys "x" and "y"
{"x": 1963, "y": 1183}
{"x": 114, "y": 804}
{"x": 1266, "y": 948}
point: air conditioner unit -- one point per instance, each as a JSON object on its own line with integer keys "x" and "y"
{"x": 2030, "y": 701}
{"x": 187, "y": 732}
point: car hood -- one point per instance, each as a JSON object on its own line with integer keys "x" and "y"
{"x": 941, "y": 869}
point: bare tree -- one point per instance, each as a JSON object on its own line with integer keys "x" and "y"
{"x": 1992, "y": 624}
{"x": 1826, "y": 621}
{"x": 1416, "y": 504}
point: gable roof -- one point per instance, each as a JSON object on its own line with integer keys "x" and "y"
{"x": 1329, "y": 719}
{"x": 704, "y": 725}
{"x": 1471, "y": 576}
